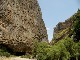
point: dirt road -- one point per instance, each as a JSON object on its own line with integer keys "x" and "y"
{"x": 15, "y": 58}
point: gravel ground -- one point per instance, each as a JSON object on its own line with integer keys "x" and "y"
{"x": 15, "y": 58}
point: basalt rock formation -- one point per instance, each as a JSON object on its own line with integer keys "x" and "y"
{"x": 20, "y": 24}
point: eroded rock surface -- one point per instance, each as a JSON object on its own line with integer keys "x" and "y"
{"x": 63, "y": 29}
{"x": 20, "y": 24}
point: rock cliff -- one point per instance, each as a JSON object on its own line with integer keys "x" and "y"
{"x": 20, "y": 24}
{"x": 63, "y": 29}
{"x": 66, "y": 28}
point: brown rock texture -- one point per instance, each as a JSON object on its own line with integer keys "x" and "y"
{"x": 20, "y": 24}
{"x": 63, "y": 29}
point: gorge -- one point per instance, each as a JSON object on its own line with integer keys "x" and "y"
{"x": 23, "y": 33}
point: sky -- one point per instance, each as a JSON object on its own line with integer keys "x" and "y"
{"x": 55, "y": 11}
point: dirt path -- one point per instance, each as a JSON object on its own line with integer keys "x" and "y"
{"x": 15, "y": 58}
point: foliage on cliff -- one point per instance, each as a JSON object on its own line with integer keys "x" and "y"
{"x": 65, "y": 48}
{"x": 76, "y": 27}
{"x": 71, "y": 28}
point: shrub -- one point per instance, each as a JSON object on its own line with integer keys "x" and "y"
{"x": 65, "y": 49}
{"x": 76, "y": 27}
{"x": 4, "y": 53}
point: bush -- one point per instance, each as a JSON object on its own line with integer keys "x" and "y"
{"x": 76, "y": 27}
{"x": 4, "y": 53}
{"x": 65, "y": 49}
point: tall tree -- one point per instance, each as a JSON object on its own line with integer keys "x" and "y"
{"x": 76, "y": 29}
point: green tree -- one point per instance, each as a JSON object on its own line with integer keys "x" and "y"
{"x": 76, "y": 29}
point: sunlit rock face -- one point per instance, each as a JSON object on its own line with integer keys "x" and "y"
{"x": 63, "y": 29}
{"x": 20, "y": 24}
{"x": 68, "y": 28}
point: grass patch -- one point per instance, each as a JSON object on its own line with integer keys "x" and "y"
{"x": 4, "y": 53}
{"x": 26, "y": 56}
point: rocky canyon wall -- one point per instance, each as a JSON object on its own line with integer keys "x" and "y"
{"x": 20, "y": 24}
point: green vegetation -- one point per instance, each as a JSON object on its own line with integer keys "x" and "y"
{"x": 65, "y": 49}
{"x": 76, "y": 29}
{"x": 4, "y": 52}
{"x": 61, "y": 33}
{"x": 26, "y": 56}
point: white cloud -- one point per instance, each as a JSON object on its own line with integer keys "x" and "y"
{"x": 48, "y": 28}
